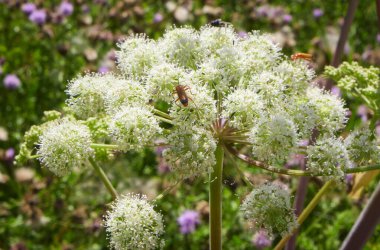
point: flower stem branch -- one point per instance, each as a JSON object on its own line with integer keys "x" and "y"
{"x": 216, "y": 200}
{"x": 305, "y": 213}
{"x": 104, "y": 146}
{"x": 294, "y": 172}
{"x": 104, "y": 178}
{"x": 162, "y": 114}
{"x": 164, "y": 119}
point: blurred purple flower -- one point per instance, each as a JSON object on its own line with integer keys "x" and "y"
{"x": 188, "y": 220}
{"x": 66, "y": 8}
{"x": 9, "y": 154}
{"x": 11, "y": 81}
{"x": 263, "y": 11}
{"x": 317, "y": 13}
{"x": 261, "y": 239}
{"x": 85, "y": 8}
{"x": 38, "y": 17}
{"x": 103, "y": 69}
{"x": 242, "y": 34}
{"x": 287, "y": 18}
{"x": 378, "y": 38}
{"x": 363, "y": 112}
{"x": 336, "y": 91}
{"x": 349, "y": 179}
{"x": 303, "y": 143}
{"x": 377, "y": 130}
{"x": 158, "y": 17}
{"x": 346, "y": 49}
{"x": 28, "y": 8}
{"x": 163, "y": 167}
{"x": 295, "y": 160}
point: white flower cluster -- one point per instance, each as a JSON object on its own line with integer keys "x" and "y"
{"x": 362, "y": 147}
{"x": 269, "y": 208}
{"x": 132, "y": 223}
{"x": 328, "y": 156}
{"x": 191, "y": 152}
{"x": 133, "y": 128}
{"x": 65, "y": 144}
{"x": 273, "y": 138}
{"x": 204, "y": 76}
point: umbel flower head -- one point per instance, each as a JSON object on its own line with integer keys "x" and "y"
{"x": 269, "y": 208}
{"x": 132, "y": 223}
{"x": 65, "y": 144}
{"x": 196, "y": 89}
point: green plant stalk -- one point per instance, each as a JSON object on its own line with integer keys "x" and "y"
{"x": 162, "y": 114}
{"x": 305, "y": 213}
{"x": 104, "y": 146}
{"x": 104, "y": 178}
{"x": 294, "y": 172}
{"x": 216, "y": 200}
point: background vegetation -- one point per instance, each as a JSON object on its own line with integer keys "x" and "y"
{"x": 39, "y": 210}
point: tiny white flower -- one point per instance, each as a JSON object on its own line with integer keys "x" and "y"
{"x": 269, "y": 208}
{"x": 133, "y": 128}
{"x": 362, "y": 147}
{"x": 137, "y": 55}
{"x": 328, "y": 156}
{"x": 132, "y": 223}
{"x": 64, "y": 145}
{"x": 273, "y": 138}
{"x": 191, "y": 151}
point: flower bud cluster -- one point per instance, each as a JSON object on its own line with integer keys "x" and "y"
{"x": 132, "y": 223}
{"x": 269, "y": 208}
{"x": 65, "y": 144}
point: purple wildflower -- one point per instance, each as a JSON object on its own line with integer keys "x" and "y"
{"x": 163, "y": 167}
{"x": 295, "y": 160}
{"x": 11, "y": 81}
{"x": 336, "y": 91}
{"x": 317, "y": 13}
{"x": 261, "y": 239}
{"x": 242, "y": 34}
{"x": 9, "y": 154}
{"x": 349, "y": 179}
{"x": 158, "y": 17}
{"x": 65, "y": 8}
{"x": 38, "y": 17}
{"x": 378, "y": 130}
{"x": 363, "y": 113}
{"x": 263, "y": 11}
{"x": 28, "y": 8}
{"x": 378, "y": 38}
{"x": 287, "y": 18}
{"x": 103, "y": 69}
{"x": 188, "y": 220}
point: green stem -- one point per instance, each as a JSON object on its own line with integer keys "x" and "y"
{"x": 162, "y": 114}
{"x": 105, "y": 146}
{"x": 104, "y": 178}
{"x": 294, "y": 172}
{"x": 305, "y": 213}
{"x": 164, "y": 120}
{"x": 216, "y": 200}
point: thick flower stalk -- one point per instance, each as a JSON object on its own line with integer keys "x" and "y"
{"x": 203, "y": 93}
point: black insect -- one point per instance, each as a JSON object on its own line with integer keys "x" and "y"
{"x": 218, "y": 23}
